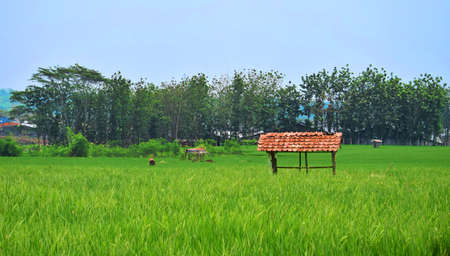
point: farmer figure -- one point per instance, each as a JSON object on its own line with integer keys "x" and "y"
{"x": 151, "y": 161}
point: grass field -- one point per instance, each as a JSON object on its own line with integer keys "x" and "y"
{"x": 393, "y": 200}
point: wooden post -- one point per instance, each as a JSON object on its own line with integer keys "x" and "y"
{"x": 299, "y": 161}
{"x": 273, "y": 156}
{"x": 306, "y": 162}
{"x": 333, "y": 159}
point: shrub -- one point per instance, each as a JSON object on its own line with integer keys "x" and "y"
{"x": 232, "y": 146}
{"x": 133, "y": 150}
{"x": 96, "y": 150}
{"x": 156, "y": 147}
{"x": 116, "y": 152}
{"x": 32, "y": 150}
{"x": 215, "y": 149}
{"x": 55, "y": 150}
{"x": 78, "y": 144}
{"x": 149, "y": 147}
{"x": 174, "y": 148}
{"x": 113, "y": 143}
{"x": 9, "y": 147}
{"x": 199, "y": 143}
{"x": 204, "y": 143}
{"x": 211, "y": 142}
{"x": 249, "y": 142}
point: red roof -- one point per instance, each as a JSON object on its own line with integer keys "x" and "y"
{"x": 196, "y": 150}
{"x": 299, "y": 142}
{"x": 10, "y": 124}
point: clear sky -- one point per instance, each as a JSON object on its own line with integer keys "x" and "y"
{"x": 161, "y": 40}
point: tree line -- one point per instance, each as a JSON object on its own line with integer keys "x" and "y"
{"x": 115, "y": 110}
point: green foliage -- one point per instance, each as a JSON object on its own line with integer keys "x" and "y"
{"x": 153, "y": 147}
{"x": 32, "y": 150}
{"x": 113, "y": 143}
{"x": 117, "y": 152}
{"x": 174, "y": 148}
{"x": 249, "y": 142}
{"x": 97, "y": 150}
{"x": 209, "y": 145}
{"x": 55, "y": 150}
{"x": 214, "y": 150}
{"x": 158, "y": 147}
{"x": 78, "y": 144}
{"x": 9, "y": 147}
{"x": 232, "y": 146}
{"x": 149, "y": 147}
{"x": 117, "y": 112}
{"x": 201, "y": 143}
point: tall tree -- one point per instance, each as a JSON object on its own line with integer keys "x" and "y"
{"x": 289, "y": 105}
{"x": 173, "y": 100}
{"x": 197, "y": 118}
{"x": 118, "y": 91}
{"x": 53, "y": 97}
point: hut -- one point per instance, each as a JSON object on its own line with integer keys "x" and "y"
{"x": 307, "y": 142}
{"x": 198, "y": 153}
{"x": 376, "y": 142}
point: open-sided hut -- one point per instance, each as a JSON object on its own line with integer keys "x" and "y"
{"x": 376, "y": 142}
{"x": 307, "y": 142}
{"x": 199, "y": 153}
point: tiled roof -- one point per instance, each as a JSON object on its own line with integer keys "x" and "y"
{"x": 299, "y": 141}
{"x": 198, "y": 150}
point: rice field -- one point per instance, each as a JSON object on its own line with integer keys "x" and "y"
{"x": 393, "y": 200}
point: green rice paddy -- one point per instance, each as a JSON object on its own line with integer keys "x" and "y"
{"x": 393, "y": 200}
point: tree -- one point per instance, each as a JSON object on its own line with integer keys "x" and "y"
{"x": 58, "y": 99}
{"x": 144, "y": 113}
{"x": 118, "y": 95}
{"x": 289, "y": 105}
{"x": 197, "y": 121}
{"x": 173, "y": 102}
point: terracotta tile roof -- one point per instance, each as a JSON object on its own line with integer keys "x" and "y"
{"x": 299, "y": 141}
{"x": 198, "y": 150}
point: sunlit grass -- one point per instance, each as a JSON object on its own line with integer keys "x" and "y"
{"x": 385, "y": 201}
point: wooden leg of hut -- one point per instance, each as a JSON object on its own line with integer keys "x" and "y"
{"x": 299, "y": 161}
{"x": 273, "y": 157}
{"x": 333, "y": 159}
{"x": 306, "y": 162}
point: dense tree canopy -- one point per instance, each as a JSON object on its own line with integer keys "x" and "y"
{"x": 118, "y": 111}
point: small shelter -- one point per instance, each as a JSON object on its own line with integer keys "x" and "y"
{"x": 199, "y": 153}
{"x": 376, "y": 142}
{"x": 313, "y": 142}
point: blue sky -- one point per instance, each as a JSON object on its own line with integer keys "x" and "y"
{"x": 161, "y": 40}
